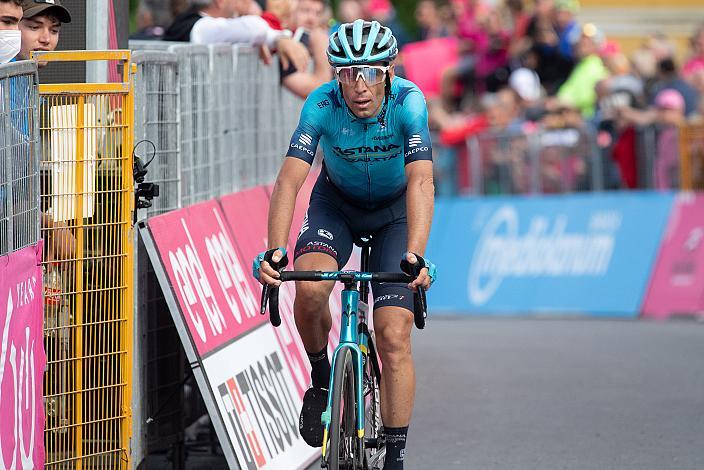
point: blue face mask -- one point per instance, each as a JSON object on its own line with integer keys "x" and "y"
{"x": 10, "y": 44}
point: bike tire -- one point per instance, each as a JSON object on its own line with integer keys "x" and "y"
{"x": 342, "y": 450}
{"x": 374, "y": 429}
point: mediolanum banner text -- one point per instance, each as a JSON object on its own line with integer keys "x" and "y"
{"x": 586, "y": 254}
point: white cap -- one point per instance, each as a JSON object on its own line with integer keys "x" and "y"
{"x": 526, "y": 83}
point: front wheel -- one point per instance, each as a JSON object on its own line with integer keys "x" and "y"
{"x": 343, "y": 449}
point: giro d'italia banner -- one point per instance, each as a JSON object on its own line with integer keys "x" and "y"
{"x": 22, "y": 360}
{"x": 586, "y": 254}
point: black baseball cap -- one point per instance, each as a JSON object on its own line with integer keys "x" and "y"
{"x": 35, "y": 7}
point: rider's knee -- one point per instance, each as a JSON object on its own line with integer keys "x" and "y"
{"x": 311, "y": 297}
{"x": 394, "y": 340}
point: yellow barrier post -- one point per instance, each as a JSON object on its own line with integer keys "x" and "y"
{"x": 87, "y": 204}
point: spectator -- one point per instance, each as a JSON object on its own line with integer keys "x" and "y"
{"x": 430, "y": 24}
{"x": 670, "y": 107}
{"x": 10, "y": 36}
{"x": 350, "y": 10}
{"x": 305, "y": 20}
{"x": 580, "y": 88}
{"x": 41, "y": 26}
{"x": 695, "y": 64}
{"x": 147, "y": 29}
{"x": 526, "y": 84}
{"x": 216, "y": 21}
{"x": 566, "y": 26}
{"x": 669, "y": 78}
{"x": 383, "y": 12}
{"x": 540, "y": 48}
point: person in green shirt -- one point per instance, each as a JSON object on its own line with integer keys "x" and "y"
{"x": 580, "y": 88}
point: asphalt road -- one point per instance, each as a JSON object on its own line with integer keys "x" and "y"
{"x": 515, "y": 394}
{"x": 558, "y": 394}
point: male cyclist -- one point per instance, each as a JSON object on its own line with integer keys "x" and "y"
{"x": 377, "y": 179}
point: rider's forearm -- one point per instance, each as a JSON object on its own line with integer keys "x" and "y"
{"x": 283, "y": 202}
{"x": 420, "y": 197}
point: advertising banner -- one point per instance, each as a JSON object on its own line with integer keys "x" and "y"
{"x": 569, "y": 254}
{"x": 210, "y": 282}
{"x": 246, "y": 213}
{"x": 677, "y": 286}
{"x": 202, "y": 255}
{"x": 255, "y": 393}
{"x": 22, "y": 360}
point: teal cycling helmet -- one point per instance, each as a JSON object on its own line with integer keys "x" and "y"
{"x": 361, "y": 42}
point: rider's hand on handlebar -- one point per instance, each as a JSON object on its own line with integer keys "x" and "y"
{"x": 425, "y": 277}
{"x": 264, "y": 271}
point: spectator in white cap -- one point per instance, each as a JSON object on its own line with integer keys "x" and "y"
{"x": 526, "y": 84}
{"x": 579, "y": 90}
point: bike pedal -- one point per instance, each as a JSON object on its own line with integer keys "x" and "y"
{"x": 371, "y": 443}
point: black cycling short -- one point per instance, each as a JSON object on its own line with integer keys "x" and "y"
{"x": 332, "y": 223}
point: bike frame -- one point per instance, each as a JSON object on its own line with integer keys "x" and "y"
{"x": 355, "y": 340}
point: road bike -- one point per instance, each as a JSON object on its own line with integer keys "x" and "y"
{"x": 353, "y": 436}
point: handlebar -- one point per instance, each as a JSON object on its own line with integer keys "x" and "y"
{"x": 270, "y": 294}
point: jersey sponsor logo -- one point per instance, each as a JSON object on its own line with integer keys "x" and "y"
{"x": 352, "y": 151}
{"x": 323, "y": 104}
{"x": 305, "y": 149}
{"x": 305, "y": 139}
{"x": 415, "y": 141}
{"x": 416, "y": 150}
{"x": 383, "y": 137}
{"x": 324, "y": 233}
{"x": 316, "y": 247}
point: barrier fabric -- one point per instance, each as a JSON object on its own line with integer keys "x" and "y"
{"x": 251, "y": 375}
{"x": 569, "y": 254}
{"x": 22, "y": 360}
{"x": 677, "y": 286}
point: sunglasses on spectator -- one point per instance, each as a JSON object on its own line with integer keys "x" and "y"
{"x": 371, "y": 74}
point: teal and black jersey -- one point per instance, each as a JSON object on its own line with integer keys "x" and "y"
{"x": 364, "y": 159}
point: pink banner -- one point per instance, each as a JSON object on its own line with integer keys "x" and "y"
{"x": 211, "y": 280}
{"x": 677, "y": 285}
{"x": 22, "y": 360}
{"x": 247, "y": 213}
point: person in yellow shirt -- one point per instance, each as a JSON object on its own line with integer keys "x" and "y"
{"x": 580, "y": 88}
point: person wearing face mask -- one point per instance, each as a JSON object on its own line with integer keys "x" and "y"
{"x": 377, "y": 179}
{"x": 10, "y": 36}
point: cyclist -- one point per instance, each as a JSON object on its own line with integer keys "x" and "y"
{"x": 377, "y": 179}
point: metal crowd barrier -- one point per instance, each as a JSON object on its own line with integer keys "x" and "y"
{"x": 220, "y": 122}
{"x": 549, "y": 161}
{"x": 218, "y": 117}
{"x": 87, "y": 203}
{"x": 19, "y": 157}
{"x": 692, "y": 157}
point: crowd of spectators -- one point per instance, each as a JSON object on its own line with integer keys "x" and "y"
{"x": 517, "y": 67}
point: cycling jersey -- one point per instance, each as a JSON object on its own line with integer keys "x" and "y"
{"x": 364, "y": 158}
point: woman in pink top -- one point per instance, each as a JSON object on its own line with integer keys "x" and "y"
{"x": 695, "y": 64}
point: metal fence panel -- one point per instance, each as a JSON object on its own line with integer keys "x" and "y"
{"x": 222, "y": 128}
{"x": 19, "y": 157}
{"x": 87, "y": 196}
{"x": 269, "y": 121}
{"x": 548, "y": 161}
{"x": 196, "y": 157}
{"x": 157, "y": 121}
{"x": 691, "y": 150}
{"x": 245, "y": 112}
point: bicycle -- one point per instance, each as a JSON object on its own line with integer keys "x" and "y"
{"x": 353, "y": 437}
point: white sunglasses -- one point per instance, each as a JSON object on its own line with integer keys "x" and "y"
{"x": 371, "y": 74}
